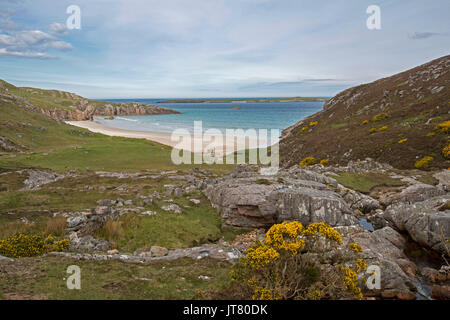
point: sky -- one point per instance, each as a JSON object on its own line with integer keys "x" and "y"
{"x": 215, "y": 48}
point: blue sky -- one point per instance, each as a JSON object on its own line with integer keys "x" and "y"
{"x": 211, "y": 48}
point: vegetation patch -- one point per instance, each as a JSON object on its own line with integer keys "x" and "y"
{"x": 195, "y": 226}
{"x": 309, "y": 161}
{"x": 424, "y": 162}
{"x": 364, "y": 182}
{"x": 291, "y": 265}
{"x": 22, "y": 245}
{"x": 112, "y": 280}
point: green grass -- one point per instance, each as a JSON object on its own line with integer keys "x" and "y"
{"x": 428, "y": 179}
{"x": 364, "y": 182}
{"x": 11, "y": 224}
{"x": 196, "y": 225}
{"x": 44, "y": 277}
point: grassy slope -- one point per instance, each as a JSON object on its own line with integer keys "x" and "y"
{"x": 62, "y": 147}
{"x": 43, "y": 278}
{"x": 340, "y": 137}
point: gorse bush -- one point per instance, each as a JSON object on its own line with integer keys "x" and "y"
{"x": 364, "y": 122}
{"x": 380, "y": 117}
{"x": 403, "y": 141}
{"x": 309, "y": 161}
{"x": 446, "y": 151}
{"x": 324, "y": 162}
{"x": 298, "y": 263}
{"x": 21, "y": 245}
{"x": 424, "y": 162}
{"x": 313, "y": 123}
{"x": 443, "y": 127}
{"x": 383, "y": 128}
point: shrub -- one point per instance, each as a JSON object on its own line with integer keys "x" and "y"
{"x": 431, "y": 134}
{"x": 402, "y": 141}
{"x": 380, "y": 117}
{"x": 446, "y": 151}
{"x": 313, "y": 123}
{"x": 21, "y": 245}
{"x": 324, "y": 162}
{"x": 443, "y": 127}
{"x": 295, "y": 263}
{"x": 373, "y": 130}
{"x": 364, "y": 122}
{"x": 423, "y": 163}
{"x": 305, "y": 129}
{"x": 309, "y": 161}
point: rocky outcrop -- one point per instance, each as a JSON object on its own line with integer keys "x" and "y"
{"x": 212, "y": 251}
{"x": 384, "y": 248}
{"x": 10, "y": 146}
{"x": 87, "y": 112}
{"x": 414, "y": 193}
{"x": 89, "y": 222}
{"x": 87, "y": 244}
{"x": 248, "y": 199}
{"x": 38, "y": 178}
{"x": 427, "y": 222}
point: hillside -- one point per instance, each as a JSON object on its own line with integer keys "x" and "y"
{"x": 63, "y": 106}
{"x": 29, "y": 138}
{"x": 393, "y": 120}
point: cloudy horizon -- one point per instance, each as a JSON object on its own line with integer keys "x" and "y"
{"x": 212, "y": 48}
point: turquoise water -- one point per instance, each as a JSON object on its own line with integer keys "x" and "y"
{"x": 263, "y": 115}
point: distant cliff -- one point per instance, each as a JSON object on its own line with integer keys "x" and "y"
{"x": 66, "y": 106}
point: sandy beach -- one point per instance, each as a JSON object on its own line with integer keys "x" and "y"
{"x": 214, "y": 145}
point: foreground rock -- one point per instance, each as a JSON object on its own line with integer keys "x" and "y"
{"x": 248, "y": 199}
{"x": 38, "y": 178}
{"x": 427, "y": 222}
{"x": 384, "y": 248}
{"x": 213, "y": 251}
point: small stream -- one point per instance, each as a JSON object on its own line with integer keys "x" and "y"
{"x": 420, "y": 256}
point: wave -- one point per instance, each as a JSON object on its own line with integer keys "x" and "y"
{"x": 127, "y": 119}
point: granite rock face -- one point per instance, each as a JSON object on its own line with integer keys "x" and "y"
{"x": 247, "y": 199}
{"x": 427, "y": 222}
{"x": 384, "y": 248}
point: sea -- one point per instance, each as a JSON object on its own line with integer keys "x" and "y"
{"x": 221, "y": 116}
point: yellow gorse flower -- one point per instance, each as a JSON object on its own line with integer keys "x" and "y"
{"x": 21, "y": 245}
{"x": 322, "y": 229}
{"x": 285, "y": 236}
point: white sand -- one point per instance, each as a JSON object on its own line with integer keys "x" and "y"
{"x": 218, "y": 146}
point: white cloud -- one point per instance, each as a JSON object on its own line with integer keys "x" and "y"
{"x": 58, "y": 29}
{"x": 19, "y": 54}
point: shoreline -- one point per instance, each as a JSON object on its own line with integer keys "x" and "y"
{"x": 214, "y": 145}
